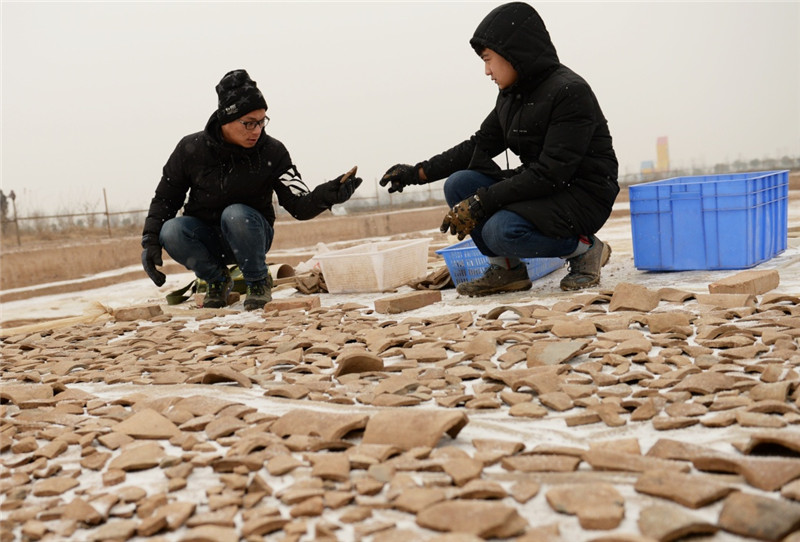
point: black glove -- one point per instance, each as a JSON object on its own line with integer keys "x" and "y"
{"x": 463, "y": 217}
{"x": 151, "y": 257}
{"x": 336, "y": 191}
{"x": 400, "y": 176}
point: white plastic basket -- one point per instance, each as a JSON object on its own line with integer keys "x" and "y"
{"x": 374, "y": 267}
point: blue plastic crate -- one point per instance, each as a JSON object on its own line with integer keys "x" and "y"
{"x": 732, "y": 221}
{"x": 465, "y": 263}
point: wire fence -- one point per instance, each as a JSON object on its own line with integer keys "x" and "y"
{"x": 121, "y": 223}
{"x": 124, "y": 223}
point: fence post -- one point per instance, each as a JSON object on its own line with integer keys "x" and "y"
{"x": 13, "y": 197}
{"x": 108, "y": 216}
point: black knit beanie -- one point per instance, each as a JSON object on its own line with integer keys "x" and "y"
{"x": 238, "y": 95}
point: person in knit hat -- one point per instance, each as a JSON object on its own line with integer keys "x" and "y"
{"x": 553, "y": 204}
{"x": 230, "y": 170}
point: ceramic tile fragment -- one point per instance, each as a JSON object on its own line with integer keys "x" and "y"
{"x": 667, "y": 522}
{"x": 408, "y": 429}
{"x": 598, "y": 506}
{"x": 541, "y": 463}
{"x": 407, "y": 301}
{"x": 357, "y": 361}
{"x": 755, "y": 516}
{"x": 220, "y": 373}
{"x": 54, "y": 486}
{"x": 138, "y": 456}
{"x": 633, "y": 297}
{"x": 753, "y": 281}
{"x": 690, "y": 490}
{"x": 553, "y": 353}
{"x": 481, "y": 518}
{"x": 147, "y": 424}
{"x": 329, "y": 426}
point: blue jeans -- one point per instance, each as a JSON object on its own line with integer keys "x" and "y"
{"x": 505, "y": 233}
{"x": 243, "y": 237}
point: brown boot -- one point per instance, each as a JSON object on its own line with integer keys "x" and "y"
{"x": 584, "y": 270}
{"x": 496, "y": 280}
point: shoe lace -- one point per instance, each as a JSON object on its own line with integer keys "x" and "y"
{"x": 257, "y": 288}
{"x": 216, "y": 288}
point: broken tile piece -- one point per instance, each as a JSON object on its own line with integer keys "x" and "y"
{"x": 769, "y": 440}
{"x": 480, "y": 518}
{"x": 692, "y": 491}
{"x": 727, "y": 301}
{"x": 633, "y": 297}
{"x": 574, "y": 329}
{"x": 541, "y": 463}
{"x": 415, "y": 499}
{"x": 53, "y": 486}
{"x": 331, "y": 466}
{"x": 753, "y": 281}
{"x": 138, "y": 456}
{"x": 357, "y": 361}
{"x": 754, "y": 516}
{"x": 122, "y": 529}
{"x": 597, "y": 505}
{"x": 328, "y": 425}
{"x": 553, "y": 352}
{"x": 523, "y": 491}
{"x": 609, "y": 460}
{"x": 408, "y": 429}
{"x": 463, "y": 469}
{"x": 211, "y": 533}
{"x": 669, "y": 522}
{"x": 398, "y": 303}
{"x": 21, "y": 393}
{"x": 221, "y": 373}
{"x": 481, "y": 489}
{"x": 147, "y": 424}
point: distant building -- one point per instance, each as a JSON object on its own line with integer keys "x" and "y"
{"x": 662, "y": 154}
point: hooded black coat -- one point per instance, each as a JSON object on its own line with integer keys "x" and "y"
{"x": 551, "y": 119}
{"x": 217, "y": 174}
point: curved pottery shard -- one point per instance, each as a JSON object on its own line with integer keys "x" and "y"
{"x": 407, "y": 430}
{"x": 484, "y": 519}
{"x": 329, "y": 426}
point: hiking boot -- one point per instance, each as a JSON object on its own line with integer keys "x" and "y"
{"x": 259, "y": 293}
{"x": 217, "y": 293}
{"x": 584, "y": 270}
{"x": 496, "y": 280}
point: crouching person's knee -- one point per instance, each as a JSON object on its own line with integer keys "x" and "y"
{"x": 498, "y": 237}
{"x": 172, "y": 233}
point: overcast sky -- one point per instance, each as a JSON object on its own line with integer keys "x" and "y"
{"x": 96, "y": 95}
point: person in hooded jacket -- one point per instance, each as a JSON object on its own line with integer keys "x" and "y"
{"x": 554, "y": 203}
{"x": 230, "y": 170}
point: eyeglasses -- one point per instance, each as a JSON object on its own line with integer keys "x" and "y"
{"x": 251, "y": 124}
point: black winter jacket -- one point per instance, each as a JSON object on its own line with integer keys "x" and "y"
{"x": 217, "y": 174}
{"x": 551, "y": 119}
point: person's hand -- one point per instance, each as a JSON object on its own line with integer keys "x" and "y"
{"x": 151, "y": 257}
{"x": 400, "y": 176}
{"x": 341, "y": 188}
{"x": 463, "y": 217}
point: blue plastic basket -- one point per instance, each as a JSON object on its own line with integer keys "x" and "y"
{"x": 730, "y": 221}
{"x": 465, "y": 263}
